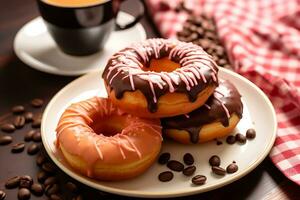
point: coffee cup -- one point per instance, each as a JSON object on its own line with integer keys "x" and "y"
{"x": 81, "y": 27}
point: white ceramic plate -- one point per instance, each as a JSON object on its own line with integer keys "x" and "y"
{"x": 35, "y": 47}
{"x": 258, "y": 113}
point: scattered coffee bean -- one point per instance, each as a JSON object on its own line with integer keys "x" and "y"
{"x": 2, "y": 195}
{"x": 219, "y": 142}
{"x": 18, "y": 147}
{"x": 33, "y": 149}
{"x": 28, "y": 136}
{"x": 5, "y": 139}
{"x": 50, "y": 181}
{"x": 166, "y": 176}
{"x": 37, "y": 103}
{"x": 26, "y": 182}
{"x": 164, "y": 158}
{"x": 55, "y": 197}
{"x": 42, "y": 176}
{"x": 251, "y": 133}
{"x": 175, "y": 165}
{"x": 12, "y": 182}
{"x": 37, "y": 136}
{"x": 72, "y": 187}
{"x": 40, "y": 159}
{"x": 240, "y": 138}
{"x": 78, "y": 197}
{"x": 188, "y": 159}
{"x": 28, "y": 117}
{"x": 199, "y": 180}
{"x": 8, "y": 128}
{"x": 231, "y": 168}
{"x": 24, "y": 194}
{"x": 218, "y": 170}
{"x": 190, "y": 170}
{"x": 230, "y": 139}
{"x": 214, "y": 160}
{"x": 49, "y": 167}
{"x": 51, "y": 189}
{"x": 37, "y": 189}
{"x": 19, "y": 121}
{"x": 36, "y": 123}
{"x": 18, "y": 109}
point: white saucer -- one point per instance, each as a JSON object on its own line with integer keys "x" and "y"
{"x": 35, "y": 47}
{"x": 258, "y": 113}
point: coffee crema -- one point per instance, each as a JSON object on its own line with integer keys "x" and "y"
{"x": 74, "y": 3}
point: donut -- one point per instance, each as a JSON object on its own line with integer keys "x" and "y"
{"x": 160, "y": 78}
{"x": 216, "y": 118}
{"x": 100, "y": 141}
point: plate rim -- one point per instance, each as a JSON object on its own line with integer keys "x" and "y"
{"x": 177, "y": 193}
{"x": 43, "y": 67}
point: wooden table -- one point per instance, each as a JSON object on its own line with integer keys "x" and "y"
{"x": 20, "y": 83}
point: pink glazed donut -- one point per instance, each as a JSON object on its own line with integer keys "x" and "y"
{"x": 102, "y": 142}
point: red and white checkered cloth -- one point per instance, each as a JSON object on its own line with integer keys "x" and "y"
{"x": 262, "y": 38}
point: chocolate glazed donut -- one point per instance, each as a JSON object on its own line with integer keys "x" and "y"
{"x": 220, "y": 107}
{"x": 128, "y": 70}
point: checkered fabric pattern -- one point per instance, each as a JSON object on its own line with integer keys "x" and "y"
{"x": 262, "y": 39}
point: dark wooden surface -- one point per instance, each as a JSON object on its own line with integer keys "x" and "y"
{"x": 19, "y": 84}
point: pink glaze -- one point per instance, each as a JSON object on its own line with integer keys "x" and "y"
{"x": 137, "y": 140}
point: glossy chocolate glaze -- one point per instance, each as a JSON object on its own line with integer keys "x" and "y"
{"x": 212, "y": 111}
{"x": 120, "y": 82}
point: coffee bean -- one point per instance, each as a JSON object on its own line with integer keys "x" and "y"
{"x": 214, "y": 160}
{"x": 232, "y": 168}
{"x": 188, "y": 159}
{"x": 8, "y": 128}
{"x": 28, "y": 117}
{"x": 164, "y": 158}
{"x": 251, "y": 133}
{"x": 18, "y": 147}
{"x": 33, "y": 149}
{"x": 5, "y": 139}
{"x": 37, "y": 103}
{"x": 36, "y": 122}
{"x": 49, "y": 167}
{"x": 175, "y": 165}
{"x": 78, "y": 197}
{"x": 219, "y": 142}
{"x": 42, "y": 176}
{"x": 37, "y": 189}
{"x": 50, "y": 181}
{"x": 19, "y": 121}
{"x": 51, "y": 189}
{"x": 12, "y": 182}
{"x": 72, "y": 187}
{"x": 40, "y": 159}
{"x": 24, "y": 194}
{"x": 230, "y": 139}
{"x": 2, "y": 195}
{"x": 18, "y": 109}
{"x": 37, "y": 136}
{"x": 199, "y": 180}
{"x": 166, "y": 176}
{"x": 28, "y": 136}
{"x": 240, "y": 138}
{"x": 55, "y": 197}
{"x": 220, "y": 51}
{"x": 26, "y": 182}
{"x": 190, "y": 170}
{"x": 218, "y": 170}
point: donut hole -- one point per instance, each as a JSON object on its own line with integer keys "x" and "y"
{"x": 108, "y": 126}
{"x": 162, "y": 65}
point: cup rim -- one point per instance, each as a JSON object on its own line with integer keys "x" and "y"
{"x": 73, "y": 7}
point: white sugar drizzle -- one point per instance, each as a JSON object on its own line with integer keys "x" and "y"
{"x": 192, "y": 59}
